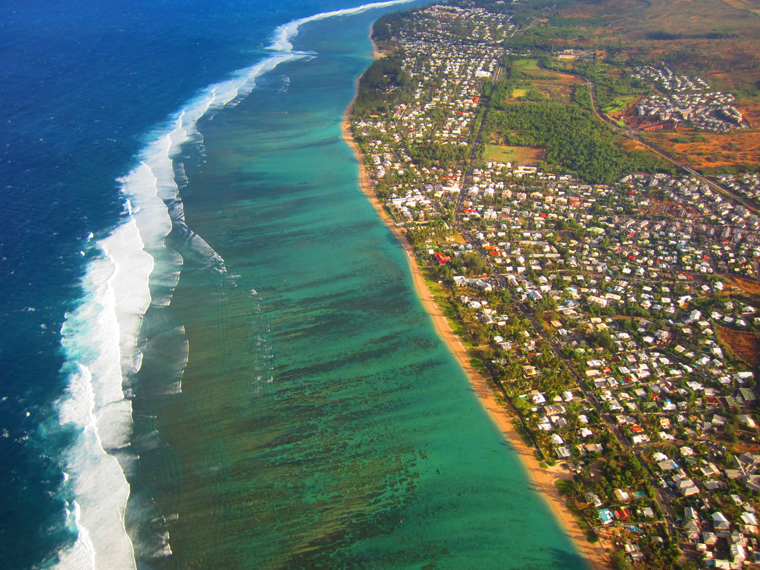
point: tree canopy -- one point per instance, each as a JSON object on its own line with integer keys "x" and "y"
{"x": 384, "y": 85}
{"x": 573, "y": 138}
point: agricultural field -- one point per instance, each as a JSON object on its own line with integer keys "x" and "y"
{"x": 514, "y": 154}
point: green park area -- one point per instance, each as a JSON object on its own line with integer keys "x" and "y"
{"x": 619, "y": 104}
{"x": 514, "y": 154}
{"x": 530, "y": 68}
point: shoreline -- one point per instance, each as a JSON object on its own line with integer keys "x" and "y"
{"x": 543, "y": 480}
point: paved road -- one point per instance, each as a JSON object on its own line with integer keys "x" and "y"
{"x": 660, "y": 496}
{"x": 467, "y": 177}
{"x": 633, "y": 136}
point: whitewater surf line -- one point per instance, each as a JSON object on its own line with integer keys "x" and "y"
{"x": 131, "y": 270}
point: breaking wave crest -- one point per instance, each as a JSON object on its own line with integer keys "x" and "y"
{"x": 130, "y": 270}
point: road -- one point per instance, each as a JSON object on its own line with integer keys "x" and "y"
{"x": 467, "y": 176}
{"x": 662, "y": 496}
{"x": 626, "y": 445}
{"x": 633, "y": 136}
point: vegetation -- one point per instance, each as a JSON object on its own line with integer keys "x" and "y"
{"x": 438, "y": 154}
{"x": 384, "y": 85}
{"x": 537, "y": 37}
{"x": 573, "y": 138}
{"x": 382, "y": 29}
{"x": 618, "y": 561}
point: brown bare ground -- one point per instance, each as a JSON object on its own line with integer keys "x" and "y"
{"x": 750, "y": 5}
{"x": 740, "y": 147}
{"x": 671, "y": 209}
{"x": 518, "y": 154}
{"x": 744, "y": 345}
{"x": 569, "y": 79}
{"x": 709, "y": 35}
{"x": 746, "y": 285}
{"x": 557, "y": 91}
{"x": 630, "y": 145}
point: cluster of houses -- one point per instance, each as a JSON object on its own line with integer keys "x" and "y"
{"x": 729, "y": 231}
{"x": 746, "y": 185}
{"x": 705, "y": 233}
{"x": 629, "y": 282}
{"x": 665, "y": 381}
{"x": 688, "y": 101}
{"x": 719, "y": 525}
{"x": 448, "y": 71}
{"x": 666, "y": 80}
{"x": 487, "y": 27}
{"x": 573, "y": 54}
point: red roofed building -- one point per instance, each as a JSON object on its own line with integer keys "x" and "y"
{"x": 442, "y": 259}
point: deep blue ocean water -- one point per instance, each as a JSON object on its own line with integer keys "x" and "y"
{"x": 211, "y": 353}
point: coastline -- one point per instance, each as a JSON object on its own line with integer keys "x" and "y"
{"x": 543, "y": 480}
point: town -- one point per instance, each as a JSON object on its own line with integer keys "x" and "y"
{"x": 690, "y": 100}
{"x": 618, "y": 321}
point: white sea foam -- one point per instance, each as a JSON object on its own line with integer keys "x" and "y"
{"x": 286, "y": 32}
{"x": 100, "y": 338}
{"x": 82, "y": 555}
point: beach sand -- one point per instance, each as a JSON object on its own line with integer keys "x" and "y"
{"x": 543, "y": 479}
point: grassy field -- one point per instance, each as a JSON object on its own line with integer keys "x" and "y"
{"x": 530, "y": 68}
{"x": 518, "y": 154}
{"x": 619, "y": 104}
{"x": 558, "y": 87}
{"x": 526, "y": 65}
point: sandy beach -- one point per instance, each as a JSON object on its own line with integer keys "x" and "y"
{"x": 543, "y": 479}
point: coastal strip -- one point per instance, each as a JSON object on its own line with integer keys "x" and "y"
{"x": 544, "y": 479}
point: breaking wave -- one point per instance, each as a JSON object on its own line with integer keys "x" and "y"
{"x": 130, "y": 270}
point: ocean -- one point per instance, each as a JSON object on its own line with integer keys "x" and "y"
{"x": 212, "y": 353}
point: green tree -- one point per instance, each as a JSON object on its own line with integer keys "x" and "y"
{"x": 618, "y": 561}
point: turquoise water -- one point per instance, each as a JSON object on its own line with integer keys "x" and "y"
{"x": 319, "y": 421}
{"x": 212, "y": 353}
